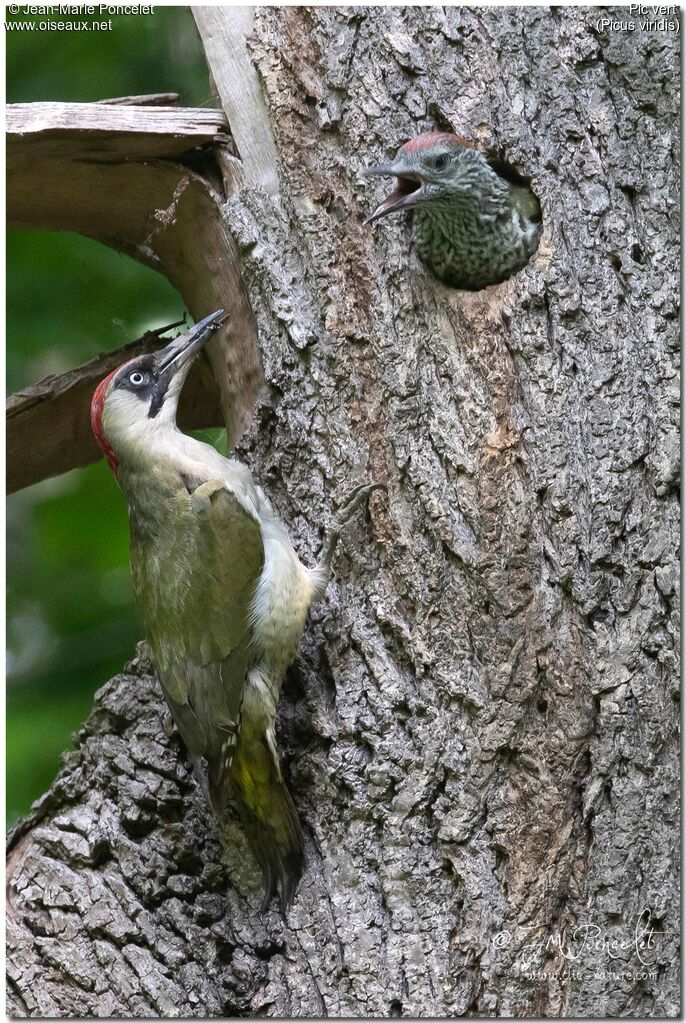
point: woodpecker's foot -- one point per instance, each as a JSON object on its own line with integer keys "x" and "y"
{"x": 356, "y": 500}
{"x": 359, "y": 496}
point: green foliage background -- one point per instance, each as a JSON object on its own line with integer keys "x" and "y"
{"x": 71, "y": 623}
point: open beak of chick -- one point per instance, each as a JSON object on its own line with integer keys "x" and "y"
{"x": 406, "y": 194}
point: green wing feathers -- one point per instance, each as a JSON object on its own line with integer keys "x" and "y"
{"x": 195, "y": 588}
{"x": 232, "y": 554}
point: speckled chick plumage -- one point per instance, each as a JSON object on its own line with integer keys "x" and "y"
{"x": 471, "y": 226}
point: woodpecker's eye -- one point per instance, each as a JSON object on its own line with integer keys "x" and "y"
{"x": 440, "y": 162}
{"x": 137, "y": 379}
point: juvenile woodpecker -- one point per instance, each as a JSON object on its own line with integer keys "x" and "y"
{"x": 221, "y": 592}
{"x": 471, "y": 226}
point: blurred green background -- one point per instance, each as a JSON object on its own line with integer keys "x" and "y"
{"x": 71, "y": 623}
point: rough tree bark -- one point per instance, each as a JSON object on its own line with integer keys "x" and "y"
{"x": 480, "y": 730}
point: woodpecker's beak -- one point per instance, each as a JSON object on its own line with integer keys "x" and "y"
{"x": 174, "y": 361}
{"x": 182, "y": 349}
{"x": 405, "y": 195}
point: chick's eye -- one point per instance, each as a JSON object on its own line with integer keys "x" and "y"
{"x": 137, "y": 378}
{"x": 440, "y": 162}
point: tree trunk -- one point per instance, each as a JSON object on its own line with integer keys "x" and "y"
{"x": 480, "y": 733}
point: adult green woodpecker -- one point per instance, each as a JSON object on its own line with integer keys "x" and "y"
{"x": 471, "y": 226}
{"x": 220, "y": 590}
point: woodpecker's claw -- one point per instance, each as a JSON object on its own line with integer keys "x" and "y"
{"x": 359, "y": 496}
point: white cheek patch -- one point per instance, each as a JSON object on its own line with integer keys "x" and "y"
{"x": 123, "y": 416}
